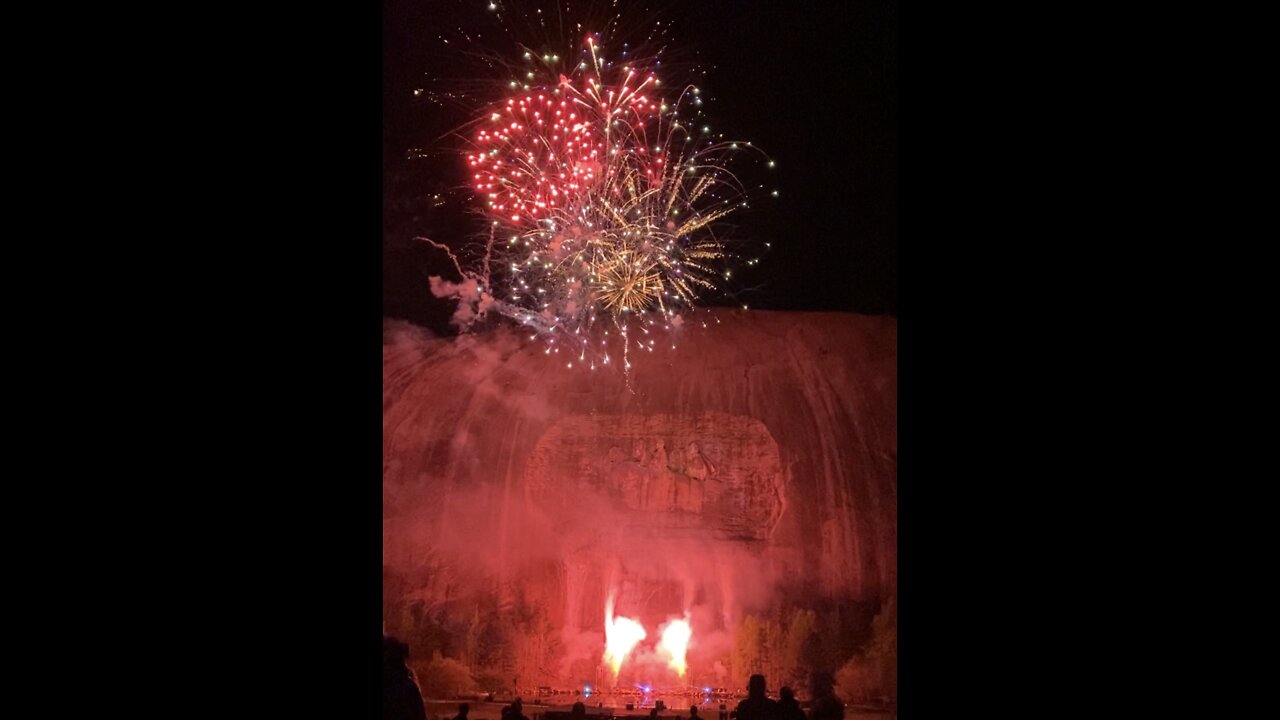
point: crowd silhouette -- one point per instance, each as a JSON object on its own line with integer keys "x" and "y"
{"x": 788, "y": 707}
{"x": 402, "y": 697}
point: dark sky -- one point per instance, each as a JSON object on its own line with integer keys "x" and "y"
{"x": 813, "y": 84}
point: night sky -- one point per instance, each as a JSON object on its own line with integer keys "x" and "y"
{"x": 812, "y": 84}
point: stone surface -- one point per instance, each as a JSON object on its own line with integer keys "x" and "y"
{"x": 755, "y": 462}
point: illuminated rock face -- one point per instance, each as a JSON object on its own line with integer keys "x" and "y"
{"x": 754, "y": 465}
{"x": 724, "y": 479}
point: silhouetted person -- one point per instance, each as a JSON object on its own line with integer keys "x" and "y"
{"x": 401, "y": 698}
{"x": 788, "y": 708}
{"x": 514, "y": 711}
{"x": 463, "y": 709}
{"x": 693, "y": 713}
{"x": 826, "y": 706}
{"x": 653, "y": 714}
{"x": 757, "y": 706}
{"x": 578, "y": 712}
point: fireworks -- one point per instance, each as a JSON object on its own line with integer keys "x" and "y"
{"x": 621, "y": 635}
{"x": 675, "y": 644}
{"x": 602, "y": 202}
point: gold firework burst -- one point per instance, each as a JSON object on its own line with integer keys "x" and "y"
{"x": 628, "y": 282}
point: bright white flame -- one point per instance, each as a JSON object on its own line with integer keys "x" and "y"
{"x": 675, "y": 643}
{"x": 620, "y": 636}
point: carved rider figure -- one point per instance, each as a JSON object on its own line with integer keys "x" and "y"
{"x": 698, "y": 468}
{"x": 659, "y": 459}
{"x": 697, "y": 465}
{"x": 661, "y": 488}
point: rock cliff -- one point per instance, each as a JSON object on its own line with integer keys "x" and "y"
{"x": 753, "y": 465}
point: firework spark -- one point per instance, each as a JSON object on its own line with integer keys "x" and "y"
{"x": 605, "y": 199}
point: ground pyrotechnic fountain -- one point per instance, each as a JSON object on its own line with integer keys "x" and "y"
{"x": 675, "y": 644}
{"x": 621, "y": 636}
